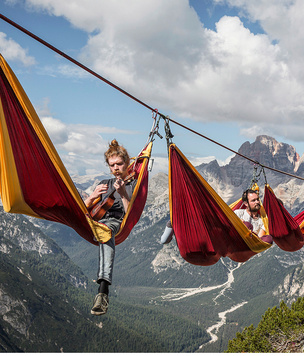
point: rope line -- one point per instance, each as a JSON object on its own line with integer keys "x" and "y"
{"x": 69, "y": 58}
{"x": 235, "y": 152}
{"x": 166, "y": 118}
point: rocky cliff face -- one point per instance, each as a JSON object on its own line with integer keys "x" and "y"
{"x": 267, "y": 151}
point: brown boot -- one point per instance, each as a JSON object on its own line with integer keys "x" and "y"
{"x": 101, "y": 304}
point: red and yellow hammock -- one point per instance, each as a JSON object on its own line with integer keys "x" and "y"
{"x": 33, "y": 178}
{"x": 206, "y": 228}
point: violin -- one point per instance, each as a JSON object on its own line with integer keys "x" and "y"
{"x": 99, "y": 207}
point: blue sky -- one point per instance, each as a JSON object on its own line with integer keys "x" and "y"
{"x": 230, "y": 69}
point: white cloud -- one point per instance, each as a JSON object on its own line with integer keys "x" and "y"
{"x": 74, "y": 145}
{"x": 196, "y": 161}
{"x": 56, "y": 129}
{"x": 66, "y": 70}
{"x": 160, "y": 52}
{"x": 282, "y": 21}
{"x": 81, "y": 147}
{"x": 84, "y": 164}
{"x": 75, "y": 139}
{"x": 11, "y": 50}
{"x": 78, "y": 138}
{"x": 252, "y": 132}
{"x": 226, "y": 161}
{"x": 160, "y": 163}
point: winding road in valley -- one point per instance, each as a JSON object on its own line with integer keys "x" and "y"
{"x": 174, "y": 294}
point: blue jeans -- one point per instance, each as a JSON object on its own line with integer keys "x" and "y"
{"x": 107, "y": 251}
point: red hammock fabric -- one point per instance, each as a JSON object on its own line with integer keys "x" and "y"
{"x": 203, "y": 232}
{"x": 43, "y": 189}
{"x": 283, "y": 228}
{"x": 33, "y": 179}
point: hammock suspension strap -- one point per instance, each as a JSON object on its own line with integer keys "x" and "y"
{"x": 168, "y": 132}
{"x": 256, "y": 176}
{"x": 154, "y": 131}
{"x": 155, "y": 126}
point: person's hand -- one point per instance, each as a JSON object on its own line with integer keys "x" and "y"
{"x": 120, "y": 187}
{"x": 100, "y": 189}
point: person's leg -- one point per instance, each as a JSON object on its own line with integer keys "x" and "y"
{"x": 267, "y": 238}
{"x": 106, "y": 260}
{"x": 104, "y": 287}
{"x": 248, "y": 225}
{"x": 105, "y": 270}
{"x": 168, "y": 234}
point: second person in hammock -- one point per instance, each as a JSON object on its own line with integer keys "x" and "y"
{"x": 122, "y": 188}
{"x": 250, "y": 215}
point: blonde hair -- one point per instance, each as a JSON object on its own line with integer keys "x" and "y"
{"x": 117, "y": 150}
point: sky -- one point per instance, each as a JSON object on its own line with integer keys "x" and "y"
{"x": 229, "y": 69}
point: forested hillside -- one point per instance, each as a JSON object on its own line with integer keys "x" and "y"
{"x": 281, "y": 329}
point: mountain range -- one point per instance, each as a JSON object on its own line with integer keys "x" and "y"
{"x": 158, "y": 301}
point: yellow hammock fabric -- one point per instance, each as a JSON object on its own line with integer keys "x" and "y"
{"x": 33, "y": 178}
{"x": 205, "y": 227}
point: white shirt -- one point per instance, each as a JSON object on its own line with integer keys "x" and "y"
{"x": 257, "y": 222}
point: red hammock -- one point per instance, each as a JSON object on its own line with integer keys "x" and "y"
{"x": 33, "y": 178}
{"x": 283, "y": 228}
{"x": 205, "y": 228}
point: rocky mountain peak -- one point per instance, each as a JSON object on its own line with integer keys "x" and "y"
{"x": 272, "y": 153}
{"x": 267, "y": 151}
